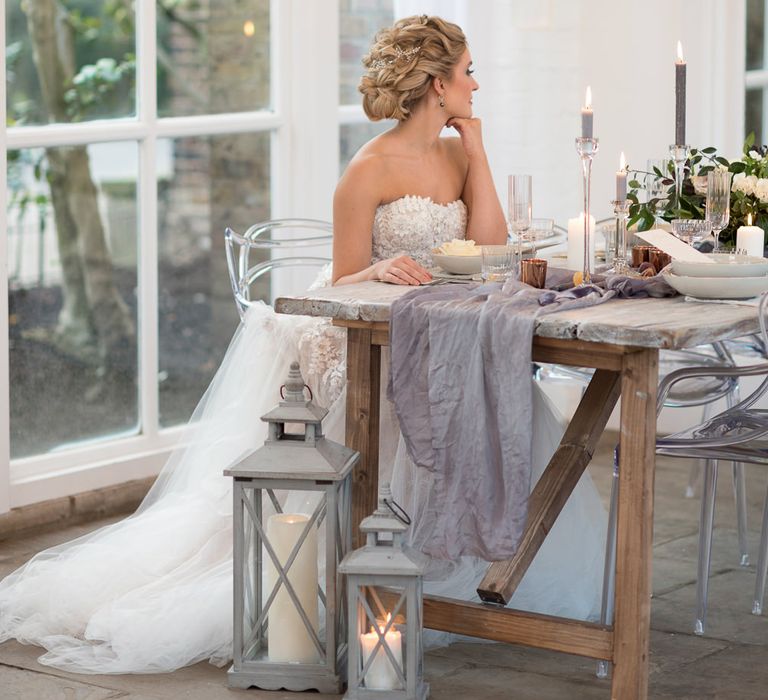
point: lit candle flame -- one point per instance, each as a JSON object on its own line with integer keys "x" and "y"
{"x": 622, "y": 162}
{"x": 749, "y": 219}
{"x": 386, "y": 622}
{"x": 680, "y": 58}
{"x": 249, "y": 28}
{"x": 588, "y": 98}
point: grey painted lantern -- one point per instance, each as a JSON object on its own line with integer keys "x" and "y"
{"x": 289, "y": 626}
{"x": 384, "y": 598}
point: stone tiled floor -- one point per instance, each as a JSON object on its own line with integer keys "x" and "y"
{"x": 729, "y": 663}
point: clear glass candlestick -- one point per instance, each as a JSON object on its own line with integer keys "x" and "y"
{"x": 620, "y": 262}
{"x": 679, "y": 156}
{"x": 586, "y": 148}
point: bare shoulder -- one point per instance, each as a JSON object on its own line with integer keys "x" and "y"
{"x": 369, "y": 171}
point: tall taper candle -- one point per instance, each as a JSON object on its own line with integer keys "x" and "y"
{"x": 586, "y": 115}
{"x": 621, "y": 179}
{"x": 680, "y": 68}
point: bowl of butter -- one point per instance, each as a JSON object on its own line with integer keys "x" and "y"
{"x": 459, "y": 257}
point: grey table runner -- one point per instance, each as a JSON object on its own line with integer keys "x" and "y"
{"x": 460, "y": 379}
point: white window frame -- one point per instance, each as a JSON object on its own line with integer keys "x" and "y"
{"x": 303, "y": 124}
{"x": 758, "y": 79}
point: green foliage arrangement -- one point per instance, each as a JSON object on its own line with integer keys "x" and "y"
{"x": 749, "y": 190}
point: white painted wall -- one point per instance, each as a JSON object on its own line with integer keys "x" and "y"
{"x": 534, "y": 60}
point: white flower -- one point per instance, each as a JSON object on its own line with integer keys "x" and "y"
{"x": 744, "y": 183}
{"x": 755, "y": 155}
{"x": 699, "y": 184}
{"x": 761, "y": 189}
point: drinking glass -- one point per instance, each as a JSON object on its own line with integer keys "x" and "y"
{"x": 655, "y": 187}
{"x": 691, "y": 230}
{"x": 496, "y": 262}
{"x": 541, "y": 229}
{"x": 520, "y": 208}
{"x": 718, "y": 202}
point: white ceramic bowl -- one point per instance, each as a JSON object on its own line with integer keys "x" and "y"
{"x": 726, "y": 265}
{"x": 458, "y": 264}
{"x": 718, "y": 287}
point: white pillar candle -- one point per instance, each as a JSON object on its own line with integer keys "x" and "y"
{"x": 381, "y": 674}
{"x": 750, "y": 238}
{"x": 576, "y": 243}
{"x": 288, "y": 638}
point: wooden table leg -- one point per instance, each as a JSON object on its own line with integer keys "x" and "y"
{"x": 362, "y": 422}
{"x": 634, "y": 533}
{"x": 555, "y": 485}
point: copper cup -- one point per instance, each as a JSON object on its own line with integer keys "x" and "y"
{"x": 641, "y": 254}
{"x": 533, "y": 271}
{"x": 659, "y": 259}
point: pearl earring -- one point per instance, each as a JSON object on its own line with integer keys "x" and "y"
{"x": 441, "y": 100}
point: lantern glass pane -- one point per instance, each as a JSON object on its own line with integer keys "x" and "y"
{"x": 383, "y": 634}
{"x": 283, "y": 577}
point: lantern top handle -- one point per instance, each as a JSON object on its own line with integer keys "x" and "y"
{"x": 388, "y": 517}
{"x": 294, "y": 406}
{"x": 292, "y": 392}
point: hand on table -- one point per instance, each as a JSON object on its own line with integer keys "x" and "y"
{"x": 402, "y": 270}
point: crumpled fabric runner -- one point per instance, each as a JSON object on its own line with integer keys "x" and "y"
{"x": 460, "y": 380}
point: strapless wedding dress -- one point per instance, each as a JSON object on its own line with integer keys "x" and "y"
{"x": 153, "y": 592}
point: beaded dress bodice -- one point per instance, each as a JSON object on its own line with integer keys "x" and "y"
{"x": 414, "y": 225}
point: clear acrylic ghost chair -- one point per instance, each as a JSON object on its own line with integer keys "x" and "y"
{"x": 261, "y": 237}
{"x": 739, "y": 434}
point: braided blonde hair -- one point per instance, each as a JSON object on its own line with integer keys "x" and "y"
{"x": 402, "y": 62}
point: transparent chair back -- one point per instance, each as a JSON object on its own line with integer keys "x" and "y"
{"x": 271, "y": 247}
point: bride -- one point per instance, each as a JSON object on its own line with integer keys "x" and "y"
{"x": 153, "y": 592}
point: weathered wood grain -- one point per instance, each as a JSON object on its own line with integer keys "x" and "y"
{"x": 634, "y": 530}
{"x": 362, "y": 422}
{"x": 555, "y": 485}
{"x": 652, "y": 323}
{"x": 513, "y": 626}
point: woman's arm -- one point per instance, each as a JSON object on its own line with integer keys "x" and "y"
{"x": 354, "y": 206}
{"x": 486, "y": 224}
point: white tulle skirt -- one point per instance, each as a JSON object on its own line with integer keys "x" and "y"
{"x": 153, "y": 592}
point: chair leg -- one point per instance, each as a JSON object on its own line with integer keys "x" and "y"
{"x": 762, "y": 563}
{"x": 694, "y": 473}
{"x": 609, "y": 570}
{"x": 740, "y": 496}
{"x": 706, "y": 526}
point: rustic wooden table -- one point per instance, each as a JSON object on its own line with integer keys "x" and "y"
{"x": 620, "y": 340}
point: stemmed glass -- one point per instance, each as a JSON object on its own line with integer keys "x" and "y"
{"x": 718, "y": 202}
{"x": 655, "y": 187}
{"x": 520, "y": 208}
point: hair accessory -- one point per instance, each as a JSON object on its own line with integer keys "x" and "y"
{"x": 441, "y": 100}
{"x": 400, "y": 55}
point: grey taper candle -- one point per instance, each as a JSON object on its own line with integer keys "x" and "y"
{"x": 586, "y": 116}
{"x": 680, "y": 68}
{"x": 621, "y": 180}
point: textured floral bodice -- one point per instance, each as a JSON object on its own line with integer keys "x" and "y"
{"x": 410, "y": 225}
{"x": 414, "y": 225}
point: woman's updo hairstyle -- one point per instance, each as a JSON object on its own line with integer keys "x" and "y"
{"x": 402, "y": 62}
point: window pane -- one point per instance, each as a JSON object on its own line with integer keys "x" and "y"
{"x": 204, "y": 185}
{"x": 753, "y": 114}
{"x": 360, "y": 20}
{"x": 755, "y": 33}
{"x": 89, "y": 50}
{"x": 213, "y": 57}
{"x": 72, "y": 295}
{"x": 352, "y": 136}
